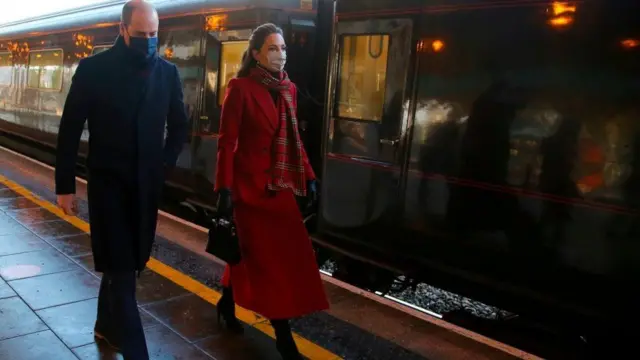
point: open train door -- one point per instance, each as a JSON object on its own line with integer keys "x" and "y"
{"x": 365, "y": 119}
{"x": 223, "y": 56}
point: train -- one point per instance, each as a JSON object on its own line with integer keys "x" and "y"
{"x": 487, "y": 147}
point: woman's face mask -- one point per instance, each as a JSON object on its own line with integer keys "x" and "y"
{"x": 276, "y": 60}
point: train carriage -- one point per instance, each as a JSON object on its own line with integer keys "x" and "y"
{"x": 492, "y": 145}
{"x": 489, "y": 147}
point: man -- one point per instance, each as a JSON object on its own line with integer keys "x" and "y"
{"x": 127, "y": 94}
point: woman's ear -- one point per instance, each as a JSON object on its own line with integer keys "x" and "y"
{"x": 254, "y": 53}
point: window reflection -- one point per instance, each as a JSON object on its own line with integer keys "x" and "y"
{"x": 183, "y": 55}
{"x": 363, "y": 70}
{"x": 182, "y": 48}
{"x": 230, "y": 61}
{"x": 45, "y": 70}
{"x": 6, "y": 68}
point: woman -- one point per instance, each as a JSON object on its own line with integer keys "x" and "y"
{"x": 262, "y": 168}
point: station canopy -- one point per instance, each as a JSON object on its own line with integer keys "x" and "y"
{"x": 28, "y": 9}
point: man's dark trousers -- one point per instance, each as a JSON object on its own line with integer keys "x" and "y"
{"x": 118, "y": 315}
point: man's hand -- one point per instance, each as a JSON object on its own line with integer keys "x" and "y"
{"x": 68, "y": 204}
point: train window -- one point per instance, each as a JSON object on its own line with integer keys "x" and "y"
{"x": 100, "y": 48}
{"x": 6, "y": 68}
{"x": 230, "y": 60}
{"x": 45, "y": 69}
{"x": 363, "y": 70}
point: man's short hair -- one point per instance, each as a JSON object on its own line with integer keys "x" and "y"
{"x": 129, "y": 7}
{"x": 127, "y": 12}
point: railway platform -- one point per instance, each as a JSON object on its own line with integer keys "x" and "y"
{"x": 48, "y": 295}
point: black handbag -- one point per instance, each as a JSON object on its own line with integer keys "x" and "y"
{"x": 223, "y": 241}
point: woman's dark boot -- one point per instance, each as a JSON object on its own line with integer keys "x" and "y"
{"x": 226, "y": 309}
{"x": 284, "y": 340}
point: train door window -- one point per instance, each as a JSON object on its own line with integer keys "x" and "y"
{"x": 363, "y": 71}
{"x": 368, "y": 113}
{"x": 230, "y": 61}
{"x": 100, "y": 48}
{"x": 223, "y": 56}
{"x": 224, "y": 51}
{"x": 45, "y": 69}
{"x": 6, "y": 68}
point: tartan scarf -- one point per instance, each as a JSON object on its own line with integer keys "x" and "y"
{"x": 287, "y": 166}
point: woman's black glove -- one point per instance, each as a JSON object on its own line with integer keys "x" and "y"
{"x": 224, "y": 204}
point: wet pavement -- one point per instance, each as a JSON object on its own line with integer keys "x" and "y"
{"x": 48, "y": 298}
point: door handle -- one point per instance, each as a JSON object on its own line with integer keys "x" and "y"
{"x": 389, "y": 142}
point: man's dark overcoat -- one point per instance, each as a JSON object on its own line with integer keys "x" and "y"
{"x": 128, "y": 105}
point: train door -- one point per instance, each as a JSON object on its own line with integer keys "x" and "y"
{"x": 223, "y": 56}
{"x": 362, "y": 177}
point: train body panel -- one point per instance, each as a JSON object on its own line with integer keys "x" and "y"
{"x": 490, "y": 147}
{"x": 505, "y": 150}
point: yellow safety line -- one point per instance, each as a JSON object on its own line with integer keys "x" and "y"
{"x": 306, "y": 347}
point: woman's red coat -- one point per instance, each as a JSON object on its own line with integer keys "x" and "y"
{"x": 278, "y": 277}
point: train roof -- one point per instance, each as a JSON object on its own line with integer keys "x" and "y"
{"x": 109, "y": 13}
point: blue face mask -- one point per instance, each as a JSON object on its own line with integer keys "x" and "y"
{"x": 143, "y": 45}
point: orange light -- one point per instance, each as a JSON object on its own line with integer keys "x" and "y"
{"x": 216, "y": 22}
{"x": 437, "y": 45}
{"x": 630, "y": 43}
{"x": 428, "y": 45}
{"x": 168, "y": 53}
{"x": 562, "y": 7}
{"x": 561, "y": 21}
{"x": 102, "y": 25}
{"x": 561, "y": 13}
